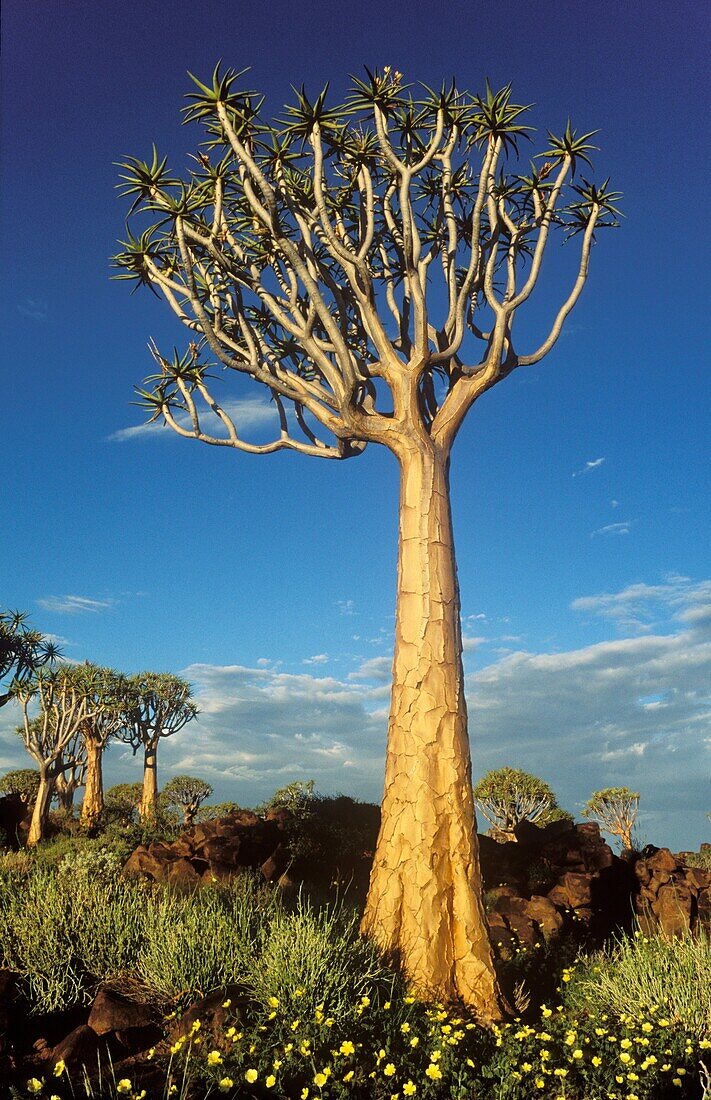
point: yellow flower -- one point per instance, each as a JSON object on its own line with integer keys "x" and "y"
{"x": 577, "y": 1054}
{"x": 227, "y": 1003}
{"x": 389, "y": 1070}
{"x": 270, "y": 1081}
{"x": 365, "y": 1001}
{"x": 414, "y": 1041}
{"x": 299, "y": 992}
{"x": 540, "y": 1083}
{"x": 624, "y": 1057}
{"x": 273, "y": 1002}
{"x": 433, "y": 1072}
{"x": 633, "y": 1077}
{"x": 320, "y": 1079}
{"x": 676, "y": 1081}
{"x": 560, "y": 1072}
{"x": 435, "y": 1055}
{"x": 124, "y": 1085}
{"x": 596, "y": 1061}
{"x": 347, "y": 1047}
{"x": 663, "y": 1022}
{"x": 404, "y": 1028}
{"x": 59, "y": 1068}
{"x": 625, "y": 1044}
{"x": 386, "y": 1006}
{"x": 349, "y": 1076}
{"x": 546, "y": 1012}
{"x": 214, "y": 1058}
{"x": 526, "y": 1067}
{"x": 409, "y": 1089}
{"x": 225, "y": 1084}
{"x": 33, "y": 1085}
{"x": 304, "y": 1094}
{"x": 646, "y": 1026}
{"x": 251, "y": 1076}
{"x": 196, "y": 1027}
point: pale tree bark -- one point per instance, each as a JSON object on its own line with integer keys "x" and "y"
{"x": 149, "y": 796}
{"x": 40, "y": 813}
{"x": 424, "y": 902}
{"x": 93, "y": 803}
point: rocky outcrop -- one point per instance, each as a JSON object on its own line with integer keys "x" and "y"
{"x": 564, "y": 873}
{"x": 672, "y": 897}
{"x": 214, "y": 851}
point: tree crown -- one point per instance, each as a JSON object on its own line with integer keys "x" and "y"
{"x": 305, "y": 253}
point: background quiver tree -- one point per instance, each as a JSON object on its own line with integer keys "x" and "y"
{"x": 155, "y": 705}
{"x": 70, "y": 776}
{"x": 22, "y": 781}
{"x": 23, "y": 652}
{"x": 364, "y": 263}
{"x": 53, "y": 737}
{"x": 615, "y": 809}
{"x": 187, "y": 793}
{"x": 507, "y": 796}
{"x": 122, "y": 801}
{"x": 107, "y": 689}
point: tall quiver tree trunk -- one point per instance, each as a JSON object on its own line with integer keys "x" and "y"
{"x": 93, "y": 804}
{"x": 425, "y": 884}
{"x": 40, "y": 813}
{"x": 149, "y": 797}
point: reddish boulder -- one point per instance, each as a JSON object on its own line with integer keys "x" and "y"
{"x": 112, "y": 1012}
{"x": 79, "y": 1048}
{"x": 662, "y": 860}
{"x": 543, "y": 912}
{"x": 573, "y": 891}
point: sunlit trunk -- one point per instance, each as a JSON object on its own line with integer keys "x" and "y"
{"x": 40, "y": 813}
{"x": 424, "y": 903}
{"x": 93, "y": 804}
{"x": 149, "y": 797}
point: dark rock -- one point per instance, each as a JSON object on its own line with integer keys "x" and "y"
{"x": 673, "y": 909}
{"x": 79, "y": 1048}
{"x": 112, "y": 1012}
{"x": 543, "y": 912}
{"x": 661, "y": 860}
{"x": 573, "y": 891}
{"x": 181, "y": 874}
{"x": 214, "y": 1012}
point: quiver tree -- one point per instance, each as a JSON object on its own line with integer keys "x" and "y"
{"x": 23, "y": 652}
{"x": 70, "y": 777}
{"x": 155, "y": 705}
{"x": 365, "y": 264}
{"x": 53, "y": 737}
{"x": 507, "y": 796}
{"x": 187, "y": 793}
{"x": 615, "y": 809}
{"x": 22, "y": 781}
{"x": 107, "y": 690}
{"x": 123, "y": 800}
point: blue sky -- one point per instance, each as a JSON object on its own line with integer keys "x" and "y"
{"x": 579, "y": 487}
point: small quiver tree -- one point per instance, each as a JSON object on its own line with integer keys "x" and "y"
{"x": 23, "y": 781}
{"x": 187, "y": 793}
{"x": 53, "y": 737}
{"x": 155, "y": 705}
{"x": 615, "y": 809}
{"x": 122, "y": 801}
{"x": 507, "y": 796}
{"x": 365, "y": 264}
{"x": 23, "y": 652}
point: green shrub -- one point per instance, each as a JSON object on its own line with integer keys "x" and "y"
{"x": 641, "y": 972}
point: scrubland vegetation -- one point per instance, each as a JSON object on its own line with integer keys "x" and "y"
{"x": 306, "y": 1008}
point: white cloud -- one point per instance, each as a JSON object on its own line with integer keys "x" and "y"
{"x": 75, "y": 605}
{"x": 613, "y": 529}
{"x": 591, "y": 464}
{"x": 374, "y": 668}
{"x": 638, "y": 606}
{"x": 317, "y": 659}
{"x": 470, "y": 642}
{"x": 247, "y": 413}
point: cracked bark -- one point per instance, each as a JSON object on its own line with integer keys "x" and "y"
{"x": 424, "y": 903}
{"x": 93, "y": 802}
{"x": 40, "y": 812}
{"x": 149, "y": 797}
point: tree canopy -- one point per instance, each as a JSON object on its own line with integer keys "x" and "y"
{"x": 23, "y": 651}
{"x": 507, "y": 796}
{"x": 303, "y": 253}
{"x": 615, "y": 808}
